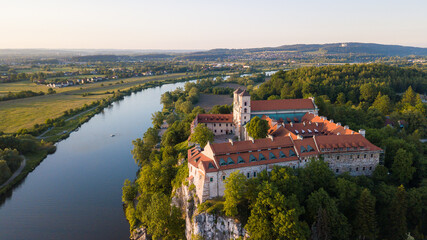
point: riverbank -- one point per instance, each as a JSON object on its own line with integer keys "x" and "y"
{"x": 53, "y": 132}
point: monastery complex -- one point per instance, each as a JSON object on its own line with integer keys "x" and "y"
{"x": 297, "y": 134}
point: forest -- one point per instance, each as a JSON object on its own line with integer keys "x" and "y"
{"x": 309, "y": 203}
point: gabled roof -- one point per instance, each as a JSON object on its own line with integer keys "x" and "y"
{"x": 344, "y": 141}
{"x": 281, "y": 104}
{"x": 215, "y": 118}
{"x": 245, "y": 146}
{"x": 306, "y": 144}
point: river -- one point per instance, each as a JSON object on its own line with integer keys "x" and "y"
{"x": 75, "y": 193}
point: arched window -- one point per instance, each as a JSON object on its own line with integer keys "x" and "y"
{"x": 246, "y": 110}
{"x": 245, "y": 104}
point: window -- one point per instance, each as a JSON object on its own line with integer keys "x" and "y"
{"x": 370, "y": 168}
{"x": 244, "y": 122}
{"x": 309, "y": 148}
{"x": 282, "y": 155}
{"x": 291, "y": 153}
{"x": 357, "y": 169}
{"x": 337, "y": 170}
{"x": 351, "y": 156}
{"x": 221, "y": 130}
{"x": 226, "y": 124}
{"x": 246, "y": 110}
{"x": 349, "y": 169}
{"x": 303, "y": 149}
{"x": 197, "y": 159}
{"x": 254, "y": 174}
{"x": 252, "y": 158}
{"x": 248, "y": 174}
{"x": 223, "y": 178}
{"x": 211, "y": 179}
{"x": 220, "y": 124}
{"x": 246, "y": 104}
{"x": 215, "y": 130}
{"x": 214, "y": 124}
{"x": 271, "y": 156}
{"x": 363, "y": 168}
{"x": 372, "y": 155}
{"x": 211, "y": 166}
{"x": 244, "y": 117}
{"x": 293, "y": 167}
{"x": 240, "y": 160}
{"x": 222, "y": 162}
{"x": 261, "y": 157}
{"x": 364, "y": 156}
{"x": 338, "y": 157}
{"x": 358, "y": 156}
{"x": 230, "y": 161}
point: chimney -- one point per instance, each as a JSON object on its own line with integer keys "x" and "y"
{"x": 338, "y": 124}
{"x": 271, "y": 137}
{"x": 231, "y": 141}
{"x": 332, "y": 120}
{"x": 299, "y": 137}
{"x": 362, "y": 132}
{"x": 317, "y": 124}
{"x": 292, "y": 124}
{"x": 303, "y": 123}
{"x": 252, "y": 139}
{"x": 346, "y": 127}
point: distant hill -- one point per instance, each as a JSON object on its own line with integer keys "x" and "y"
{"x": 299, "y": 50}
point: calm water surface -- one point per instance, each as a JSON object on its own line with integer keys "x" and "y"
{"x": 76, "y": 192}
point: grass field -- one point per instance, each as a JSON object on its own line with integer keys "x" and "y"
{"x": 24, "y": 113}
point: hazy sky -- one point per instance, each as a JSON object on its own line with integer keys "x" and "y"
{"x": 203, "y": 24}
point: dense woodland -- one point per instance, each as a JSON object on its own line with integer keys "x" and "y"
{"x": 302, "y": 203}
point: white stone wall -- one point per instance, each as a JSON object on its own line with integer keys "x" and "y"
{"x": 221, "y": 128}
{"x": 356, "y": 163}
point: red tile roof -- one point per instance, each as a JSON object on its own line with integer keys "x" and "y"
{"x": 244, "y": 146}
{"x": 281, "y": 104}
{"x": 344, "y": 141}
{"x": 215, "y": 118}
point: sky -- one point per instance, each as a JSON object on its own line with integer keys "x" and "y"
{"x": 208, "y": 24}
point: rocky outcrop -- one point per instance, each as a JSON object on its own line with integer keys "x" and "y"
{"x": 215, "y": 227}
{"x": 140, "y": 234}
{"x": 204, "y": 225}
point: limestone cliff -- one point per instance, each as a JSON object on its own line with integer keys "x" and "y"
{"x": 204, "y": 225}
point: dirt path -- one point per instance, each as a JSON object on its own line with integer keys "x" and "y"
{"x": 16, "y": 173}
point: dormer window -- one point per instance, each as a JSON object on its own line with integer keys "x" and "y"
{"x": 261, "y": 157}
{"x": 282, "y": 155}
{"x": 303, "y": 149}
{"x": 309, "y": 148}
{"x": 252, "y": 158}
{"x": 211, "y": 166}
{"x": 291, "y": 153}
{"x": 222, "y": 162}
{"x": 271, "y": 156}
{"x": 230, "y": 161}
{"x": 240, "y": 160}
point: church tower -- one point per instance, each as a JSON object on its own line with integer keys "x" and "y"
{"x": 241, "y": 111}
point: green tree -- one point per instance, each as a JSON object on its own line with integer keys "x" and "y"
{"x": 397, "y": 227}
{"x": 409, "y": 98}
{"x": 257, "y": 128}
{"x": 202, "y": 135}
{"x": 337, "y": 223}
{"x": 365, "y": 222}
{"x": 151, "y": 137}
{"x": 141, "y": 152}
{"x": 4, "y": 171}
{"x": 157, "y": 119}
{"x": 274, "y": 216}
{"x": 128, "y": 191}
{"x": 234, "y": 193}
{"x": 382, "y": 103}
{"x": 341, "y": 99}
{"x": 368, "y": 92}
{"x": 402, "y": 168}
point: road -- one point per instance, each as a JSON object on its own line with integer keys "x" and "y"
{"x": 16, "y": 173}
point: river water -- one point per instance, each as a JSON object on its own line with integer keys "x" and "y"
{"x": 75, "y": 193}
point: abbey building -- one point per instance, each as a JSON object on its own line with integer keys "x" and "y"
{"x": 296, "y": 135}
